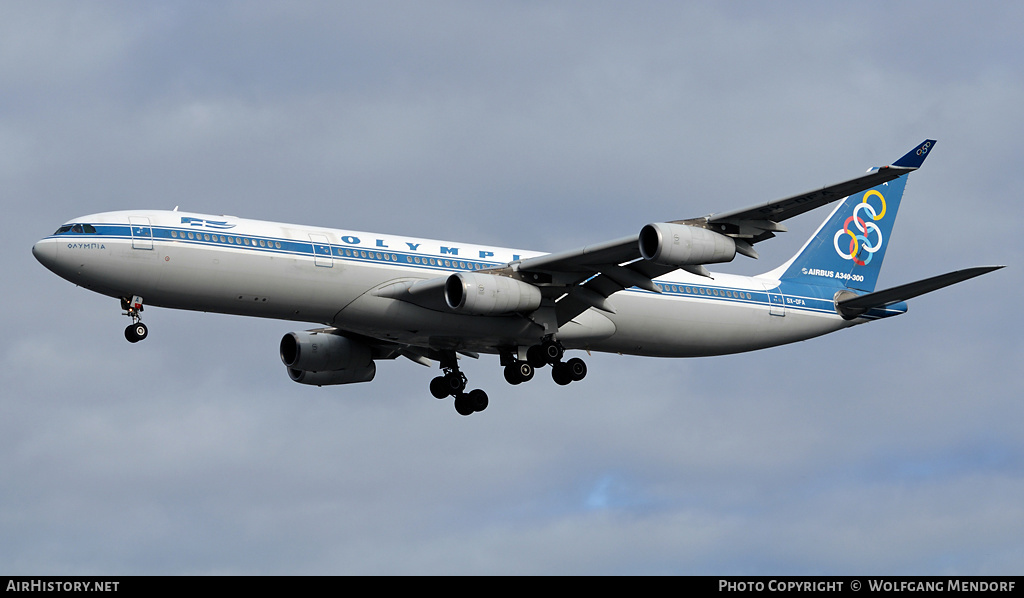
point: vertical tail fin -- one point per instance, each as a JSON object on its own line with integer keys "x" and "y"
{"x": 848, "y": 249}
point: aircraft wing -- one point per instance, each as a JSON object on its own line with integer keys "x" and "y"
{"x": 758, "y": 223}
{"x": 583, "y": 278}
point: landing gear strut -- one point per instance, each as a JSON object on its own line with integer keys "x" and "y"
{"x": 452, "y": 383}
{"x": 137, "y": 331}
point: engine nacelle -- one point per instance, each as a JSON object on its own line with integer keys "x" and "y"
{"x": 326, "y": 378}
{"x": 684, "y": 245}
{"x": 485, "y": 294}
{"x": 326, "y": 353}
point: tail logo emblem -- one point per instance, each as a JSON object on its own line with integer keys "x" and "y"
{"x": 866, "y": 237}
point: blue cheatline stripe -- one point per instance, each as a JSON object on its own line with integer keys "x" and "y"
{"x": 277, "y": 245}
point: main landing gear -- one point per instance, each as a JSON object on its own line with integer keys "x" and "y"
{"x": 453, "y": 384}
{"x": 137, "y": 331}
{"x": 548, "y": 352}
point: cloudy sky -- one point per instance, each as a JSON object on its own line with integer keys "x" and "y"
{"x": 890, "y": 448}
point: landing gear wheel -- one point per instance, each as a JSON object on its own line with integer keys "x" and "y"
{"x": 518, "y": 372}
{"x": 477, "y": 399}
{"x": 439, "y": 388}
{"x": 525, "y": 371}
{"x": 552, "y": 351}
{"x": 577, "y": 369}
{"x": 463, "y": 405}
{"x": 561, "y": 374}
{"x": 136, "y": 332}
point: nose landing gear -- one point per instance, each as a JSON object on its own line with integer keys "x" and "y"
{"x": 136, "y": 331}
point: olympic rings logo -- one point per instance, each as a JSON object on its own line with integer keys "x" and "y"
{"x": 861, "y": 248}
{"x": 924, "y": 148}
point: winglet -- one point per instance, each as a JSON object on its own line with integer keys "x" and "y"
{"x": 915, "y": 157}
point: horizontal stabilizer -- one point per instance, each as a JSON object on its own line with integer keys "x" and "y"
{"x": 856, "y": 305}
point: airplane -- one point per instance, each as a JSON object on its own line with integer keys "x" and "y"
{"x": 381, "y": 296}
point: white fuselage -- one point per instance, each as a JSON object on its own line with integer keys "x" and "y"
{"x": 311, "y": 274}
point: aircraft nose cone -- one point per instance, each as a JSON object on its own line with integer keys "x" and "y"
{"x": 45, "y": 252}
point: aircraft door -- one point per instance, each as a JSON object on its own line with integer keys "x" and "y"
{"x": 322, "y": 255}
{"x": 142, "y": 232}
{"x": 776, "y": 302}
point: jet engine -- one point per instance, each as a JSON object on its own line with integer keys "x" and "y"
{"x": 488, "y": 295}
{"x": 347, "y": 376}
{"x": 684, "y": 245}
{"x": 322, "y": 358}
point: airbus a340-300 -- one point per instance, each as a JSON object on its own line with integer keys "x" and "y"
{"x": 382, "y": 296}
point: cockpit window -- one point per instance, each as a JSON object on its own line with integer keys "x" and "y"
{"x": 76, "y": 228}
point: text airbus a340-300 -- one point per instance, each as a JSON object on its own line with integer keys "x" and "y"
{"x": 385, "y": 296}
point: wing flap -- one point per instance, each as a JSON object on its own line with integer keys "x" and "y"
{"x": 584, "y": 258}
